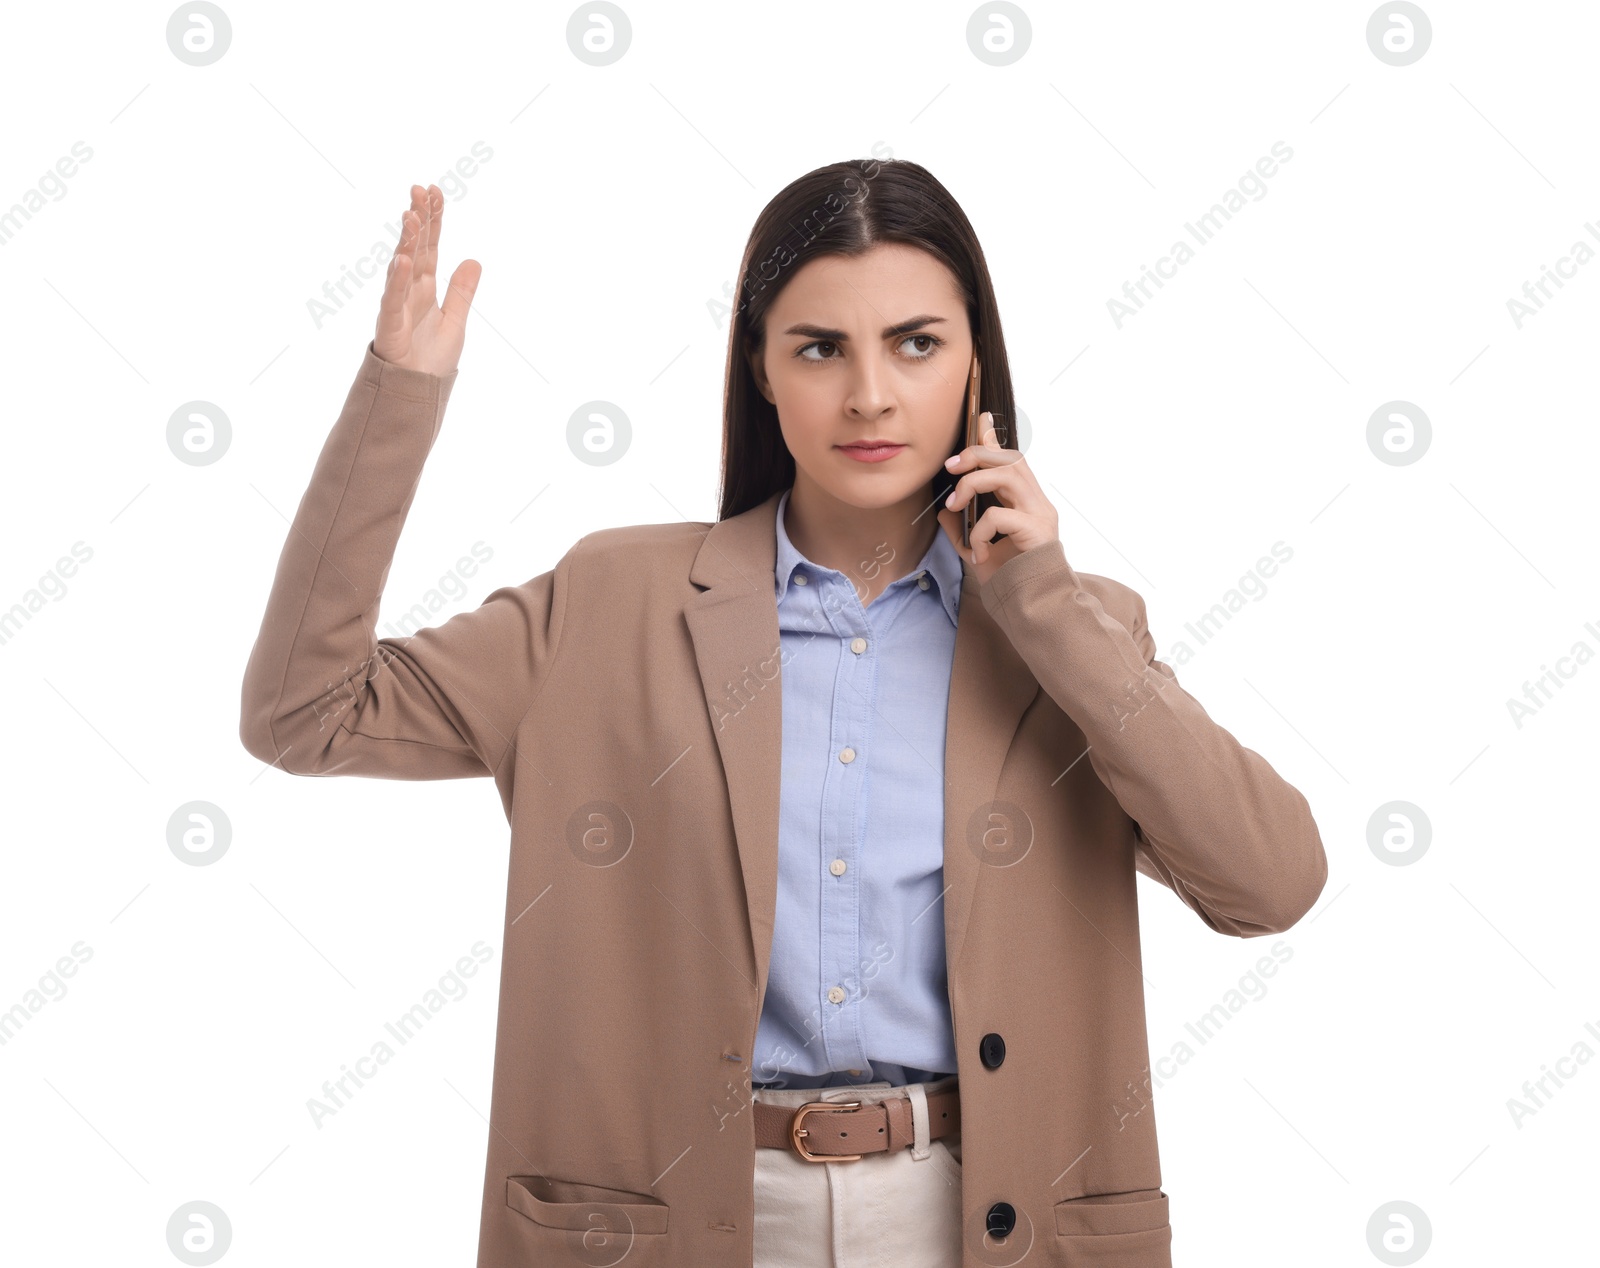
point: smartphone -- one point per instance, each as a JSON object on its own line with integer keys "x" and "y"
{"x": 978, "y": 505}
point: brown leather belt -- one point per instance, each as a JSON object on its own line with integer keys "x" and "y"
{"x": 844, "y": 1131}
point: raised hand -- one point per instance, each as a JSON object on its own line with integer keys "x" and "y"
{"x": 414, "y": 332}
{"x": 1023, "y": 513}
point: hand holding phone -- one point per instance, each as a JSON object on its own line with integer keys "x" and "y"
{"x": 976, "y": 506}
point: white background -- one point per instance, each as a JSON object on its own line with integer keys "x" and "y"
{"x": 1231, "y": 413}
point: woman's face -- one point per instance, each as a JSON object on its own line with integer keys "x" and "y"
{"x": 874, "y": 347}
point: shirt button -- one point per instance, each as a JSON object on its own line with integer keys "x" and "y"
{"x": 847, "y": 755}
{"x": 858, "y": 645}
{"x": 837, "y": 867}
{"x": 800, "y": 579}
{"x": 922, "y": 581}
{"x": 835, "y": 994}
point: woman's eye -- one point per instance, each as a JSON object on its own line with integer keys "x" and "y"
{"x": 930, "y": 345}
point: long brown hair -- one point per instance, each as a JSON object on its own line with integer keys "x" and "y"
{"x": 845, "y": 209}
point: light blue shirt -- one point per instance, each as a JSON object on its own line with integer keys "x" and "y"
{"x": 857, "y": 990}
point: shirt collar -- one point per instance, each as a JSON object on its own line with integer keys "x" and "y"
{"x": 941, "y": 563}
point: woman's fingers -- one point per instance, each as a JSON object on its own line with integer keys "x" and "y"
{"x": 423, "y": 261}
{"x": 397, "y": 315}
{"x": 428, "y": 247}
{"x": 415, "y": 330}
{"x": 410, "y": 229}
{"x": 421, "y": 269}
{"x": 978, "y": 480}
{"x": 392, "y": 341}
{"x": 410, "y": 226}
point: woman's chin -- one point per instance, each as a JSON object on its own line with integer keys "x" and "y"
{"x": 872, "y": 491}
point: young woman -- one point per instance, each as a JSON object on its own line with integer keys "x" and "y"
{"x": 821, "y": 939}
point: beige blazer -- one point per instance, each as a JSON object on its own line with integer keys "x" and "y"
{"x": 627, "y": 705}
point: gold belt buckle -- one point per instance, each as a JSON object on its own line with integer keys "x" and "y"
{"x": 796, "y": 1131}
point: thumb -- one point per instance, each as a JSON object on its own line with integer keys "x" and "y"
{"x": 463, "y": 286}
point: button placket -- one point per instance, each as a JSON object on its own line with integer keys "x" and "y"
{"x": 830, "y": 608}
{"x": 841, "y": 900}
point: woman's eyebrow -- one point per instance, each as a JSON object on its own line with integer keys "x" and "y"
{"x": 811, "y": 331}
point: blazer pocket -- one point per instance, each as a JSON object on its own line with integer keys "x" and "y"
{"x": 585, "y": 1208}
{"x": 1117, "y": 1228}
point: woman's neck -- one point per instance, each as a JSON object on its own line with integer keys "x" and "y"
{"x": 872, "y": 546}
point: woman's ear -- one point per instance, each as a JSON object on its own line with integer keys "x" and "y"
{"x": 758, "y": 371}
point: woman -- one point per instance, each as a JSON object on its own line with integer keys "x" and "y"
{"x": 717, "y": 923}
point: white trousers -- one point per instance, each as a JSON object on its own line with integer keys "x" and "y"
{"x": 885, "y": 1211}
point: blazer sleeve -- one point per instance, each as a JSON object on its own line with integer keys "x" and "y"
{"x": 1214, "y": 821}
{"x": 322, "y": 694}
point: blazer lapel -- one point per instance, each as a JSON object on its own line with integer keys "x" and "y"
{"x": 734, "y": 626}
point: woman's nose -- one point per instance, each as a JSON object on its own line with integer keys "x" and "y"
{"x": 870, "y": 391}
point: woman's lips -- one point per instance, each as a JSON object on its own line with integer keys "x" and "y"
{"x": 877, "y": 453}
